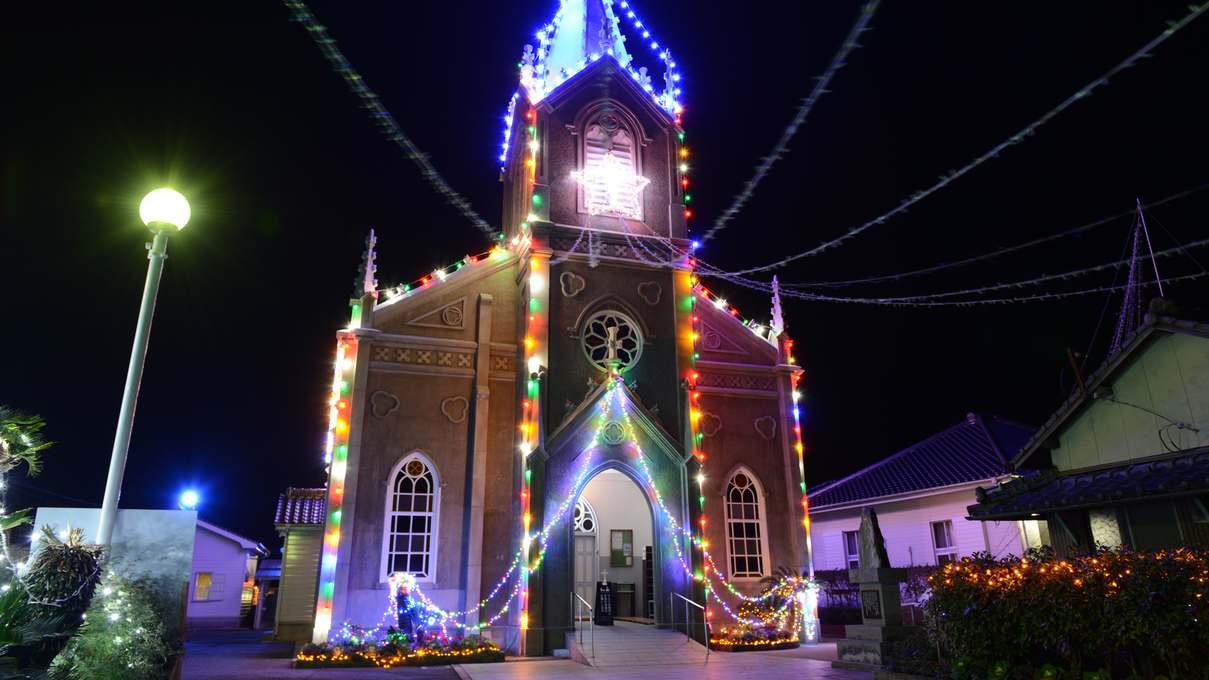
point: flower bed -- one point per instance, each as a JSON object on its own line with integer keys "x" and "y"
{"x": 718, "y": 646}
{"x": 470, "y": 649}
{"x": 748, "y": 640}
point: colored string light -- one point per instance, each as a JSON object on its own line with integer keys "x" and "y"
{"x": 1017, "y": 138}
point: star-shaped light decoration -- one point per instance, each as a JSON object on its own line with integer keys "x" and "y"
{"x": 612, "y": 187}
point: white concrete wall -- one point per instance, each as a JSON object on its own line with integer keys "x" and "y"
{"x": 1171, "y": 377}
{"x": 217, "y": 555}
{"x": 620, "y": 504}
{"x": 906, "y": 525}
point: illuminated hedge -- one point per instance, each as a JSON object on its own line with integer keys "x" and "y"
{"x": 1119, "y": 605}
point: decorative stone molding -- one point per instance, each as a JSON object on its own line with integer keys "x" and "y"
{"x": 382, "y": 404}
{"x": 455, "y": 409}
{"x": 709, "y": 423}
{"x": 739, "y": 382}
{"x": 767, "y": 427}
{"x": 572, "y": 284}
{"x": 613, "y": 433}
{"x": 452, "y": 315}
{"x": 714, "y": 341}
{"x": 650, "y": 292}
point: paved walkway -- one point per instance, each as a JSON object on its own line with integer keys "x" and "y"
{"x": 240, "y": 655}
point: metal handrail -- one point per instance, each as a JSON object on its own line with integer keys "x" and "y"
{"x": 688, "y": 623}
{"x": 591, "y": 620}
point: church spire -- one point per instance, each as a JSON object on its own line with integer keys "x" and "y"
{"x": 778, "y": 322}
{"x": 365, "y": 283}
{"x": 584, "y": 31}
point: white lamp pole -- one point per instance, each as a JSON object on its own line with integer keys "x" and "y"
{"x": 164, "y": 212}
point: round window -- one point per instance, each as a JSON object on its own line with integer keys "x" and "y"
{"x": 609, "y": 334}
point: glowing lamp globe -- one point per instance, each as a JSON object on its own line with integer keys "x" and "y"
{"x": 189, "y": 499}
{"x": 164, "y": 205}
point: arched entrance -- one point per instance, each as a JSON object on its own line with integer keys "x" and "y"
{"x": 611, "y": 431}
{"x": 614, "y": 542}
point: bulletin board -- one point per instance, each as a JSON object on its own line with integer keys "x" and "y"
{"x": 621, "y": 547}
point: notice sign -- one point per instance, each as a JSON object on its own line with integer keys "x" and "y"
{"x": 604, "y": 603}
{"x": 621, "y": 548}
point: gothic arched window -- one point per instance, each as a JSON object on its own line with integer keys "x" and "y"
{"x": 585, "y": 517}
{"x": 610, "y": 174}
{"x": 411, "y": 519}
{"x": 746, "y": 533}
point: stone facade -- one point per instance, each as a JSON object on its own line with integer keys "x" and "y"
{"x": 497, "y": 377}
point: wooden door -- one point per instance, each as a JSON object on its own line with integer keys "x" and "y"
{"x": 585, "y": 570}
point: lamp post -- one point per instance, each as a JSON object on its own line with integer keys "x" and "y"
{"x": 164, "y": 212}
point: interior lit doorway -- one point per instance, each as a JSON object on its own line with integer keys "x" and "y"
{"x": 614, "y": 533}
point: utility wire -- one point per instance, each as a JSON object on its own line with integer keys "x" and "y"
{"x": 782, "y": 147}
{"x": 381, "y": 117}
{"x": 1028, "y": 131}
{"x": 989, "y": 256}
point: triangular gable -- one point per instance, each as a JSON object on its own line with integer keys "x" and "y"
{"x": 243, "y": 541}
{"x": 1101, "y": 380}
{"x": 582, "y": 423}
{"x": 452, "y": 316}
{"x": 426, "y": 306}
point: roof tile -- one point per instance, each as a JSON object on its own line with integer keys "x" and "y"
{"x": 977, "y": 448}
{"x": 301, "y": 506}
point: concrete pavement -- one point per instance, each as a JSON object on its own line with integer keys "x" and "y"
{"x": 240, "y": 654}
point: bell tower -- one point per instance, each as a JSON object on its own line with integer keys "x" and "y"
{"x": 594, "y": 202}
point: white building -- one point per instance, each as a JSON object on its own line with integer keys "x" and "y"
{"x": 221, "y": 586}
{"x": 920, "y": 495}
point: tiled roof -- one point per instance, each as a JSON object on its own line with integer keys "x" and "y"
{"x": 268, "y": 569}
{"x": 1177, "y": 475}
{"x": 301, "y": 506}
{"x": 977, "y": 448}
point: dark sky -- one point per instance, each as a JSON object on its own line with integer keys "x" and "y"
{"x": 234, "y": 106}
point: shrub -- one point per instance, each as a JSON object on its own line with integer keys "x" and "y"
{"x": 1134, "y": 606}
{"x": 131, "y": 632}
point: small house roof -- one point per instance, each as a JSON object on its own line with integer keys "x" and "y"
{"x": 1176, "y": 475}
{"x": 977, "y": 448}
{"x": 301, "y": 506}
{"x": 268, "y": 569}
{"x": 243, "y": 541}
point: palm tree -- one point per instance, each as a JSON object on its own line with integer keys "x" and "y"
{"x": 20, "y": 440}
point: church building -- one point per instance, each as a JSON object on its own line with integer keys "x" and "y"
{"x": 573, "y": 407}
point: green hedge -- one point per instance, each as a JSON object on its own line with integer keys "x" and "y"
{"x": 1145, "y": 611}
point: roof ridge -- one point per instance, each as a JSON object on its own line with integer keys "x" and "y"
{"x": 893, "y": 457}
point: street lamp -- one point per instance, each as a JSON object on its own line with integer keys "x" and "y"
{"x": 164, "y": 212}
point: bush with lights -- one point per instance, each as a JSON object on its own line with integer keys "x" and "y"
{"x": 1114, "y": 613}
{"x": 132, "y": 631}
{"x": 361, "y": 647}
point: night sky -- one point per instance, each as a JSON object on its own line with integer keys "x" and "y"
{"x": 233, "y": 105}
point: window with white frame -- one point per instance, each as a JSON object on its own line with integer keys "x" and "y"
{"x": 208, "y": 586}
{"x": 852, "y": 550}
{"x": 942, "y": 541}
{"x": 411, "y": 519}
{"x": 745, "y": 530}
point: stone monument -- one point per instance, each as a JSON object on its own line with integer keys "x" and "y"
{"x": 866, "y": 646}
